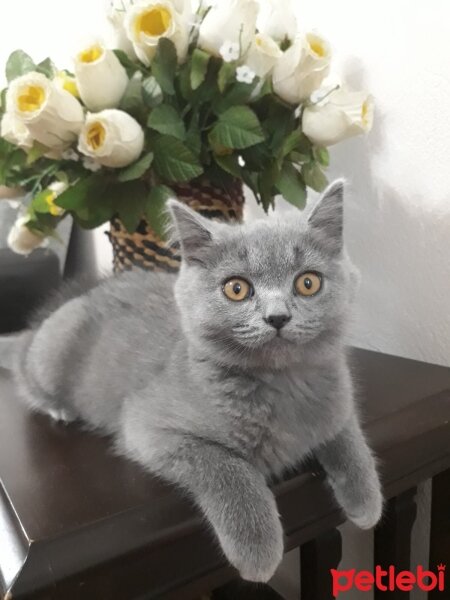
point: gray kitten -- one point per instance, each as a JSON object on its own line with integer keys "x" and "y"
{"x": 224, "y": 378}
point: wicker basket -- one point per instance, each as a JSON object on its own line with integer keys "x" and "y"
{"x": 146, "y": 250}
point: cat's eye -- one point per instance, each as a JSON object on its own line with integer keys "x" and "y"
{"x": 237, "y": 289}
{"x": 308, "y": 284}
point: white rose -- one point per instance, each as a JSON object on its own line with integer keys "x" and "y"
{"x": 22, "y": 240}
{"x": 341, "y": 115}
{"x": 229, "y": 21}
{"x": 302, "y": 68}
{"x": 67, "y": 82}
{"x": 14, "y": 131}
{"x": 147, "y": 21}
{"x": 51, "y": 114}
{"x": 112, "y": 138}
{"x": 263, "y": 55}
{"x": 278, "y": 20}
{"x": 101, "y": 79}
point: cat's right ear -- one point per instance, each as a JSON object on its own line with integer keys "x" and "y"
{"x": 192, "y": 231}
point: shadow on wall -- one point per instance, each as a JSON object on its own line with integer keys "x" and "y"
{"x": 401, "y": 245}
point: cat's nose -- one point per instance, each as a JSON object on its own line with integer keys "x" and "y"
{"x": 277, "y": 321}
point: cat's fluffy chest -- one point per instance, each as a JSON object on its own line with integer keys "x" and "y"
{"x": 277, "y": 418}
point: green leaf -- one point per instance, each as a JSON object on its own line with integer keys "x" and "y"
{"x": 18, "y": 64}
{"x": 126, "y": 62}
{"x": 129, "y": 201}
{"x": 36, "y": 152}
{"x": 47, "y": 68}
{"x": 132, "y": 101}
{"x": 291, "y": 142}
{"x": 166, "y": 120}
{"x": 164, "y": 65}
{"x": 291, "y": 186}
{"x": 137, "y": 169}
{"x": 265, "y": 90}
{"x": 239, "y": 93}
{"x": 299, "y": 159}
{"x": 322, "y": 156}
{"x": 193, "y": 136}
{"x": 174, "y": 161}
{"x": 226, "y": 75}
{"x": 82, "y": 193}
{"x": 230, "y": 164}
{"x": 279, "y": 125}
{"x": 314, "y": 177}
{"x": 237, "y": 127}
{"x": 266, "y": 183}
{"x": 39, "y": 203}
{"x": 199, "y": 67}
{"x": 154, "y": 208}
{"x": 184, "y": 82}
{"x": 3, "y": 101}
{"x": 152, "y": 92}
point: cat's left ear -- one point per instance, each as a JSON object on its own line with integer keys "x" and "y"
{"x": 327, "y": 217}
{"x": 192, "y": 231}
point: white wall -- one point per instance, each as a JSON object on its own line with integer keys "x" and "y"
{"x": 398, "y": 214}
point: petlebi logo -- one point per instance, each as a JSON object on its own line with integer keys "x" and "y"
{"x": 388, "y": 580}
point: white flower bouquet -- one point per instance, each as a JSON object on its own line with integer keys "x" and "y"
{"x": 229, "y": 92}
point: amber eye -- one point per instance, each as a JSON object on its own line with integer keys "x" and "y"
{"x": 237, "y": 289}
{"x": 308, "y": 284}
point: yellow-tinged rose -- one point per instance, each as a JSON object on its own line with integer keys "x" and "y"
{"x": 51, "y": 114}
{"x": 147, "y": 21}
{"x": 263, "y": 55}
{"x": 14, "y": 131}
{"x": 101, "y": 79}
{"x": 340, "y": 115}
{"x": 112, "y": 138}
{"x": 67, "y": 82}
{"x": 54, "y": 190}
{"x": 302, "y": 68}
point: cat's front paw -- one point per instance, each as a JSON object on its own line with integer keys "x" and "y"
{"x": 368, "y": 513}
{"x": 257, "y": 557}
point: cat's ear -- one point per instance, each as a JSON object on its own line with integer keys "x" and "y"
{"x": 191, "y": 230}
{"x": 327, "y": 217}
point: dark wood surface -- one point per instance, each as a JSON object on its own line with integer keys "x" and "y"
{"x": 440, "y": 527}
{"x": 78, "y": 522}
{"x": 317, "y": 558}
{"x": 393, "y": 540}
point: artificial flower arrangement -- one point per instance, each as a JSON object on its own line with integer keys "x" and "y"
{"x": 228, "y": 92}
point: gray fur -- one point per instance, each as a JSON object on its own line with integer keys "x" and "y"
{"x": 201, "y": 390}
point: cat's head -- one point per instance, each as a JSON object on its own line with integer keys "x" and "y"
{"x": 267, "y": 292}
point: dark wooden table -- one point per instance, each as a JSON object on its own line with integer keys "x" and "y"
{"x": 78, "y": 522}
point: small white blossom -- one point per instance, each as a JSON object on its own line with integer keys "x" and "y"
{"x": 245, "y": 75}
{"x": 91, "y": 165}
{"x": 241, "y": 161}
{"x": 22, "y": 240}
{"x": 70, "y": 154}
{"x": 229, "y": 51}
{"x": 298, "y": 111}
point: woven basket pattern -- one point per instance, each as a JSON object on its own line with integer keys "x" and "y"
{"x": 146, "y": 250}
